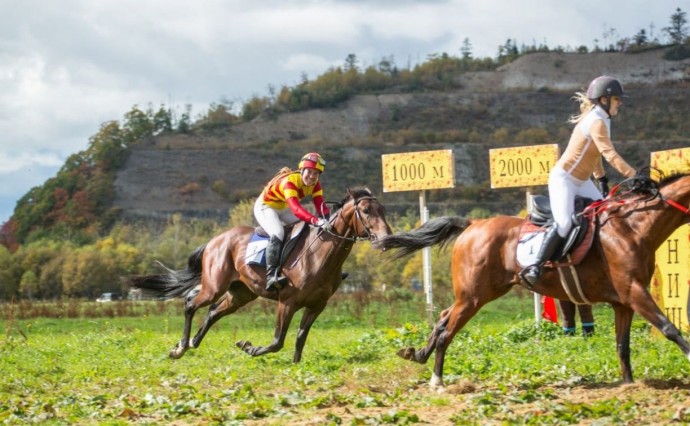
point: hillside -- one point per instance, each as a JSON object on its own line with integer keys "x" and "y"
{"x": 204, "y": 174}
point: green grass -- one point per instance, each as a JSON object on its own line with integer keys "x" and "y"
{"x": 116, "y": 370}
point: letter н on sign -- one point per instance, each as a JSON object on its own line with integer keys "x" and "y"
{"x": 671, "y": 279}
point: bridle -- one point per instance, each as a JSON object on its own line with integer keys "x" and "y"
{"x": 360, "y": 218}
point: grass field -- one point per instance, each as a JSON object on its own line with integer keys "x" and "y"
{"x": 501, "y": 369}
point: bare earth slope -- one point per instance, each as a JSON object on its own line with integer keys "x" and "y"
{"x": 205, "y": 174}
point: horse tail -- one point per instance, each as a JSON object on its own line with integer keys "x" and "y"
{"x": 171, "y": 283}
{"x": 436, "y": 231}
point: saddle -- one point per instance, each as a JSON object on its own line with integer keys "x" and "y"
{"x": 540, "y": 218}
{"x": 256, "y": 248}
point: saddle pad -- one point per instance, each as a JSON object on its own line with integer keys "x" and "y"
{"x": 256, "y": 250}
{"x": 531, "y": 237}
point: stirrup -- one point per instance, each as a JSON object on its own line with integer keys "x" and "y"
{"x": 275, "y": 283}
{"x": 531, "y": 275}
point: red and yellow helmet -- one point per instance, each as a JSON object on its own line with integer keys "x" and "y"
{"x": 312, "y": 161}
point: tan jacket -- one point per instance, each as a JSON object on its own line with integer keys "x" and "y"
{"x": 589, "y": 142}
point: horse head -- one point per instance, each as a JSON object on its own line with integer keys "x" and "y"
{"x": 362, "y": 215}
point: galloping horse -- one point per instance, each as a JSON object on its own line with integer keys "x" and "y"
{"x": 617, "y": 269}
{"x": 227, "y": 282}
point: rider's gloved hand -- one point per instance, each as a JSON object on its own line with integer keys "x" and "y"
{"x": 323, "y": 224}
{"x": 604, "y": 185}
{"x": 641, "y": 180}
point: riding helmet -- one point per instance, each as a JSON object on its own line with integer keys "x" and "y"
{"x": 312, "y": 161}
{"x": 604, "y": 86}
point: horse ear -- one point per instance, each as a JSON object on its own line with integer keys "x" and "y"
{"x": 349, "y": 192}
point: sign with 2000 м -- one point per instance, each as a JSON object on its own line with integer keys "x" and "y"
{"x": 522, "y": 166}
{"x": 421, "y": 170}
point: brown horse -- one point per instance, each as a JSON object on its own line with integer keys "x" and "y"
{"x": 227, "y": 283}
{"x": 617, "y": 270}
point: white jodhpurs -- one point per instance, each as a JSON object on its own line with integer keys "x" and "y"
{"x": 273, "y": 220}
{"x": 563, "y": 188}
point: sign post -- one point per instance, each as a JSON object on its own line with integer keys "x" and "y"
{"x": 420, "y": 171}
{"x": 671, "y": 277}
{"x": 523, "y": 166}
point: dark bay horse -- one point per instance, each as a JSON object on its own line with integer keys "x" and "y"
{"x": 617, "y": 270}
{"x": 227, "y": 283}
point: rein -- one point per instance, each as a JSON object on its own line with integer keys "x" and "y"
{"x": 612, "y": 198}
{"x": 343, "y": 237}
{"x": 358, "y": 215}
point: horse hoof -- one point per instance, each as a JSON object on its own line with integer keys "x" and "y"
{"x": 436, "y": 383}
{"x": 406, "y": 353}
{"x": 176, "y": 353}
{"x": 243, "y": 344}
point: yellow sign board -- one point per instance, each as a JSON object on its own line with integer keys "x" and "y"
{"x": 522, "y": 166}
{"x": 671, "y": 276}
{"x": 421, "y": 170}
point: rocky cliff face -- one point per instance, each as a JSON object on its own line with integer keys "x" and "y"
{"x": 206, "y": 174}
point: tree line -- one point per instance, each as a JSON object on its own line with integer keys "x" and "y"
{"x": 67, "y": 225}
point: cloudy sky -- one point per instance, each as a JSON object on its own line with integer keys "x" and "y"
{"x": 67, "y": 66}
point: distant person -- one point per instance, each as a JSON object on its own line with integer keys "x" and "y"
{"x": 279, "y": 205}
{"x": 570, "y": 176}
{"x": 569, "y": 323}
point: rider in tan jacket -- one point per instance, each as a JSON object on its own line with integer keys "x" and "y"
{"x": 582, "y": 159}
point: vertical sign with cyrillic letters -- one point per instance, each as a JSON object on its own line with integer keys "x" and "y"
{"x": 671, "y": 277}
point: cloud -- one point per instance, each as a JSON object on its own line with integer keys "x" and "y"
{"x": 67, "y": 67}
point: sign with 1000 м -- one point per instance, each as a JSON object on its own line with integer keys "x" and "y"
{"x": 522, "y": 165}
{"x": 410, "y": 171}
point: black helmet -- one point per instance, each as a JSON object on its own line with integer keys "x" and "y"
{"x": 604, "y": 86}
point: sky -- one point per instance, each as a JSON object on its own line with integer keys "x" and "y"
{"x": 68, "y": 66}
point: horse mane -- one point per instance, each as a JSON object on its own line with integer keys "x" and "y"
{"x": 666, "y": 180}
{"x": 355, "y": 193}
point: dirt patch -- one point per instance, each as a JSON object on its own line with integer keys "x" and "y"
{"x": 643, "y": 403}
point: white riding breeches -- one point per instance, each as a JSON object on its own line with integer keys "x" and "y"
{"x": 273, "y": 220}
{"x": 563, "y": 188}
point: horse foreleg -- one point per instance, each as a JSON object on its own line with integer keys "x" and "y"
{"x": 645, "y": 306}
{"x": 285, "y": 314}
{"x": 238, "y": 296}
{"x": 623, "y": 320}
{"x": 308, "y": 319}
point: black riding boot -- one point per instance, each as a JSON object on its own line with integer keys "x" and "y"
{"x": 551, "y": 243}
{"x": 273, "y": 278}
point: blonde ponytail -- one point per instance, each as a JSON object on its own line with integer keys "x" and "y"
{"x": 586, "y": 105}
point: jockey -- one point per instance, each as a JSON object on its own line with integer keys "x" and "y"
{"x": 589, "y": 142}
{"x": 279, "y": 205}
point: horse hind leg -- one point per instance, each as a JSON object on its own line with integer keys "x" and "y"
{"x": 457, "y": 316}
{"x": 422, "y": 355}
{"x": 183, "y": 344}
{"x": 238, "y": 296}
{"x": 196, "y": 299}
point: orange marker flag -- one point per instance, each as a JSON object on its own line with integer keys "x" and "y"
{"x": 549, "y": 311}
